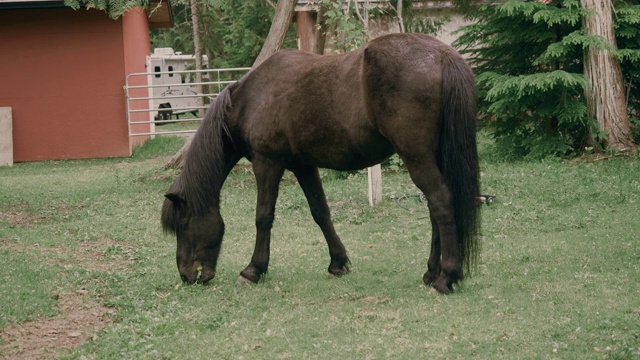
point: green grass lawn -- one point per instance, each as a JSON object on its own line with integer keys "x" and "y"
{"x": 558, "y": 275}
{"x": 180, "y": 123}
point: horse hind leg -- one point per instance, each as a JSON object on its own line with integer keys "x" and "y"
{"x": 268, "y": 175}
{"x": 433, "y": 264}
{"x": 309, "y": 180}
{"x": 445, "y": 262}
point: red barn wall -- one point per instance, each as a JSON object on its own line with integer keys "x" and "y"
{"x": 62, "y": 71}
{"x": 137, "y": 46}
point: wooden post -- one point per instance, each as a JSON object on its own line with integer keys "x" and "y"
{"x": 6, "y": 137}
{"x": 375, "y": 184}
{"x": 306, "y": 31}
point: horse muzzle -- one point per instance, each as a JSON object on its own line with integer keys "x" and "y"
{"x": 197, "y": 274}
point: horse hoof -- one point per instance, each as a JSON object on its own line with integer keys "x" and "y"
{"x": 338, "y": 272}
{"x": 442, "y": 289}
{"x": 429, "y": 278}
{"x": 243, "y": 281}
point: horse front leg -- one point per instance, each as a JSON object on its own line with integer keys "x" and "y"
{"x": 309, "y": 180}
{"x": 268, "y": 175}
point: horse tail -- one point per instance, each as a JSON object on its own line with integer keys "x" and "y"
{"x": 197, "y": 188}
{"x": 458, "y": 157}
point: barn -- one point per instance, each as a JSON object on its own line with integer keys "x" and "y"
{"x": 62, "y": 73}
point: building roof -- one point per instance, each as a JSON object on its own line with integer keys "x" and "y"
{"x": 158, "y": 11}
{"x": 160, "y": 15}
{"x": 25, "y": 4}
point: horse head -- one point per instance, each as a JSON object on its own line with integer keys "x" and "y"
{"x": 199, "y": 238}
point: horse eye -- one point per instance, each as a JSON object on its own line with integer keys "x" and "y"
{"x": 184, "y": 224}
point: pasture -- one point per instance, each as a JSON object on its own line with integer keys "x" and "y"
{"x": 88, "y": 273}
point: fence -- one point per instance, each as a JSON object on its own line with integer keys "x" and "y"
{"x": 155, "y": 98}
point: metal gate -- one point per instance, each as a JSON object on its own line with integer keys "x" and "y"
{"x": 154, "y": 99}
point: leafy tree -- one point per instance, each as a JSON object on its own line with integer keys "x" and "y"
{"x": 346, "y": 22}
{"x": 179, "y": 37}
{"x": 280, "y": 25}
{"x": 232, "y": 32}
{"x": 528, "y": 57}
{"x": 274, "y": 41}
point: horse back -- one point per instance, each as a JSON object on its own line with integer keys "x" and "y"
{"x": 344, "y": 111}
{"x": 309, "y": 108}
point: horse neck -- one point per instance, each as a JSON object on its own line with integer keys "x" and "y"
{"x": 205, "y": 168}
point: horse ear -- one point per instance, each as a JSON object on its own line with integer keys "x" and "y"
{"x": 175, "y": 198}
{"x": 173, "y": 212}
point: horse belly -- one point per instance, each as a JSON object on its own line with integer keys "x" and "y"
{"x": 340, "y": 151}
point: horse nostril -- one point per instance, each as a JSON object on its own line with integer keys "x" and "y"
{"x": 184, "y": 278}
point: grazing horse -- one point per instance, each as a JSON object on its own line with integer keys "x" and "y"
{"x": 402, "y": 93}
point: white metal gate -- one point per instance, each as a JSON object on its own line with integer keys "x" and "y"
{"x": 155, "y": 98}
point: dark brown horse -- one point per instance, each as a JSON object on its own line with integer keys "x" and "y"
{"x": 403, "y": 93}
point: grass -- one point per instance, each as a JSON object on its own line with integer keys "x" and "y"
{"x": 558, "y": 276}
{"x": 179, "y": 125}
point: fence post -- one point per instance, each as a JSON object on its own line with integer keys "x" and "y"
{"x": 375, "y": 184}
{"x": 6, "y": 137}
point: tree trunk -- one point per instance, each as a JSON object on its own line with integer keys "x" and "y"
{"x": 399, "y": 15}
{"x": 278, "y": 30}
{"x": 175, "y": 162}
{"x": 197, "y": 50}
{"x": 606, "y": 101}
{"x": 275, "y": 39}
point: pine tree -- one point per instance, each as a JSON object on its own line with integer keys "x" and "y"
{"x": 627, "y": 29}
{"x": 528, "y": 57}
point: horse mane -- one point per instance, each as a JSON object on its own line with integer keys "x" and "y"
{"x": 197, "y": 188}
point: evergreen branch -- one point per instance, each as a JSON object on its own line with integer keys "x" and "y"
{"x": 631, "y": 55}
{"x": 115, "y": 8}
{"x": 527, "y": 85}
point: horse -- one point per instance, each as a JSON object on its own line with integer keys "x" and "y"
{"x": 408, "y": 94}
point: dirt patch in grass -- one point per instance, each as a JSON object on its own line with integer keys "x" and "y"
{"x": 79, "y": 319}
{"x": 12, "y": 244}
{"x": 19, "y": 216}
{"x": 100, "y": 255}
